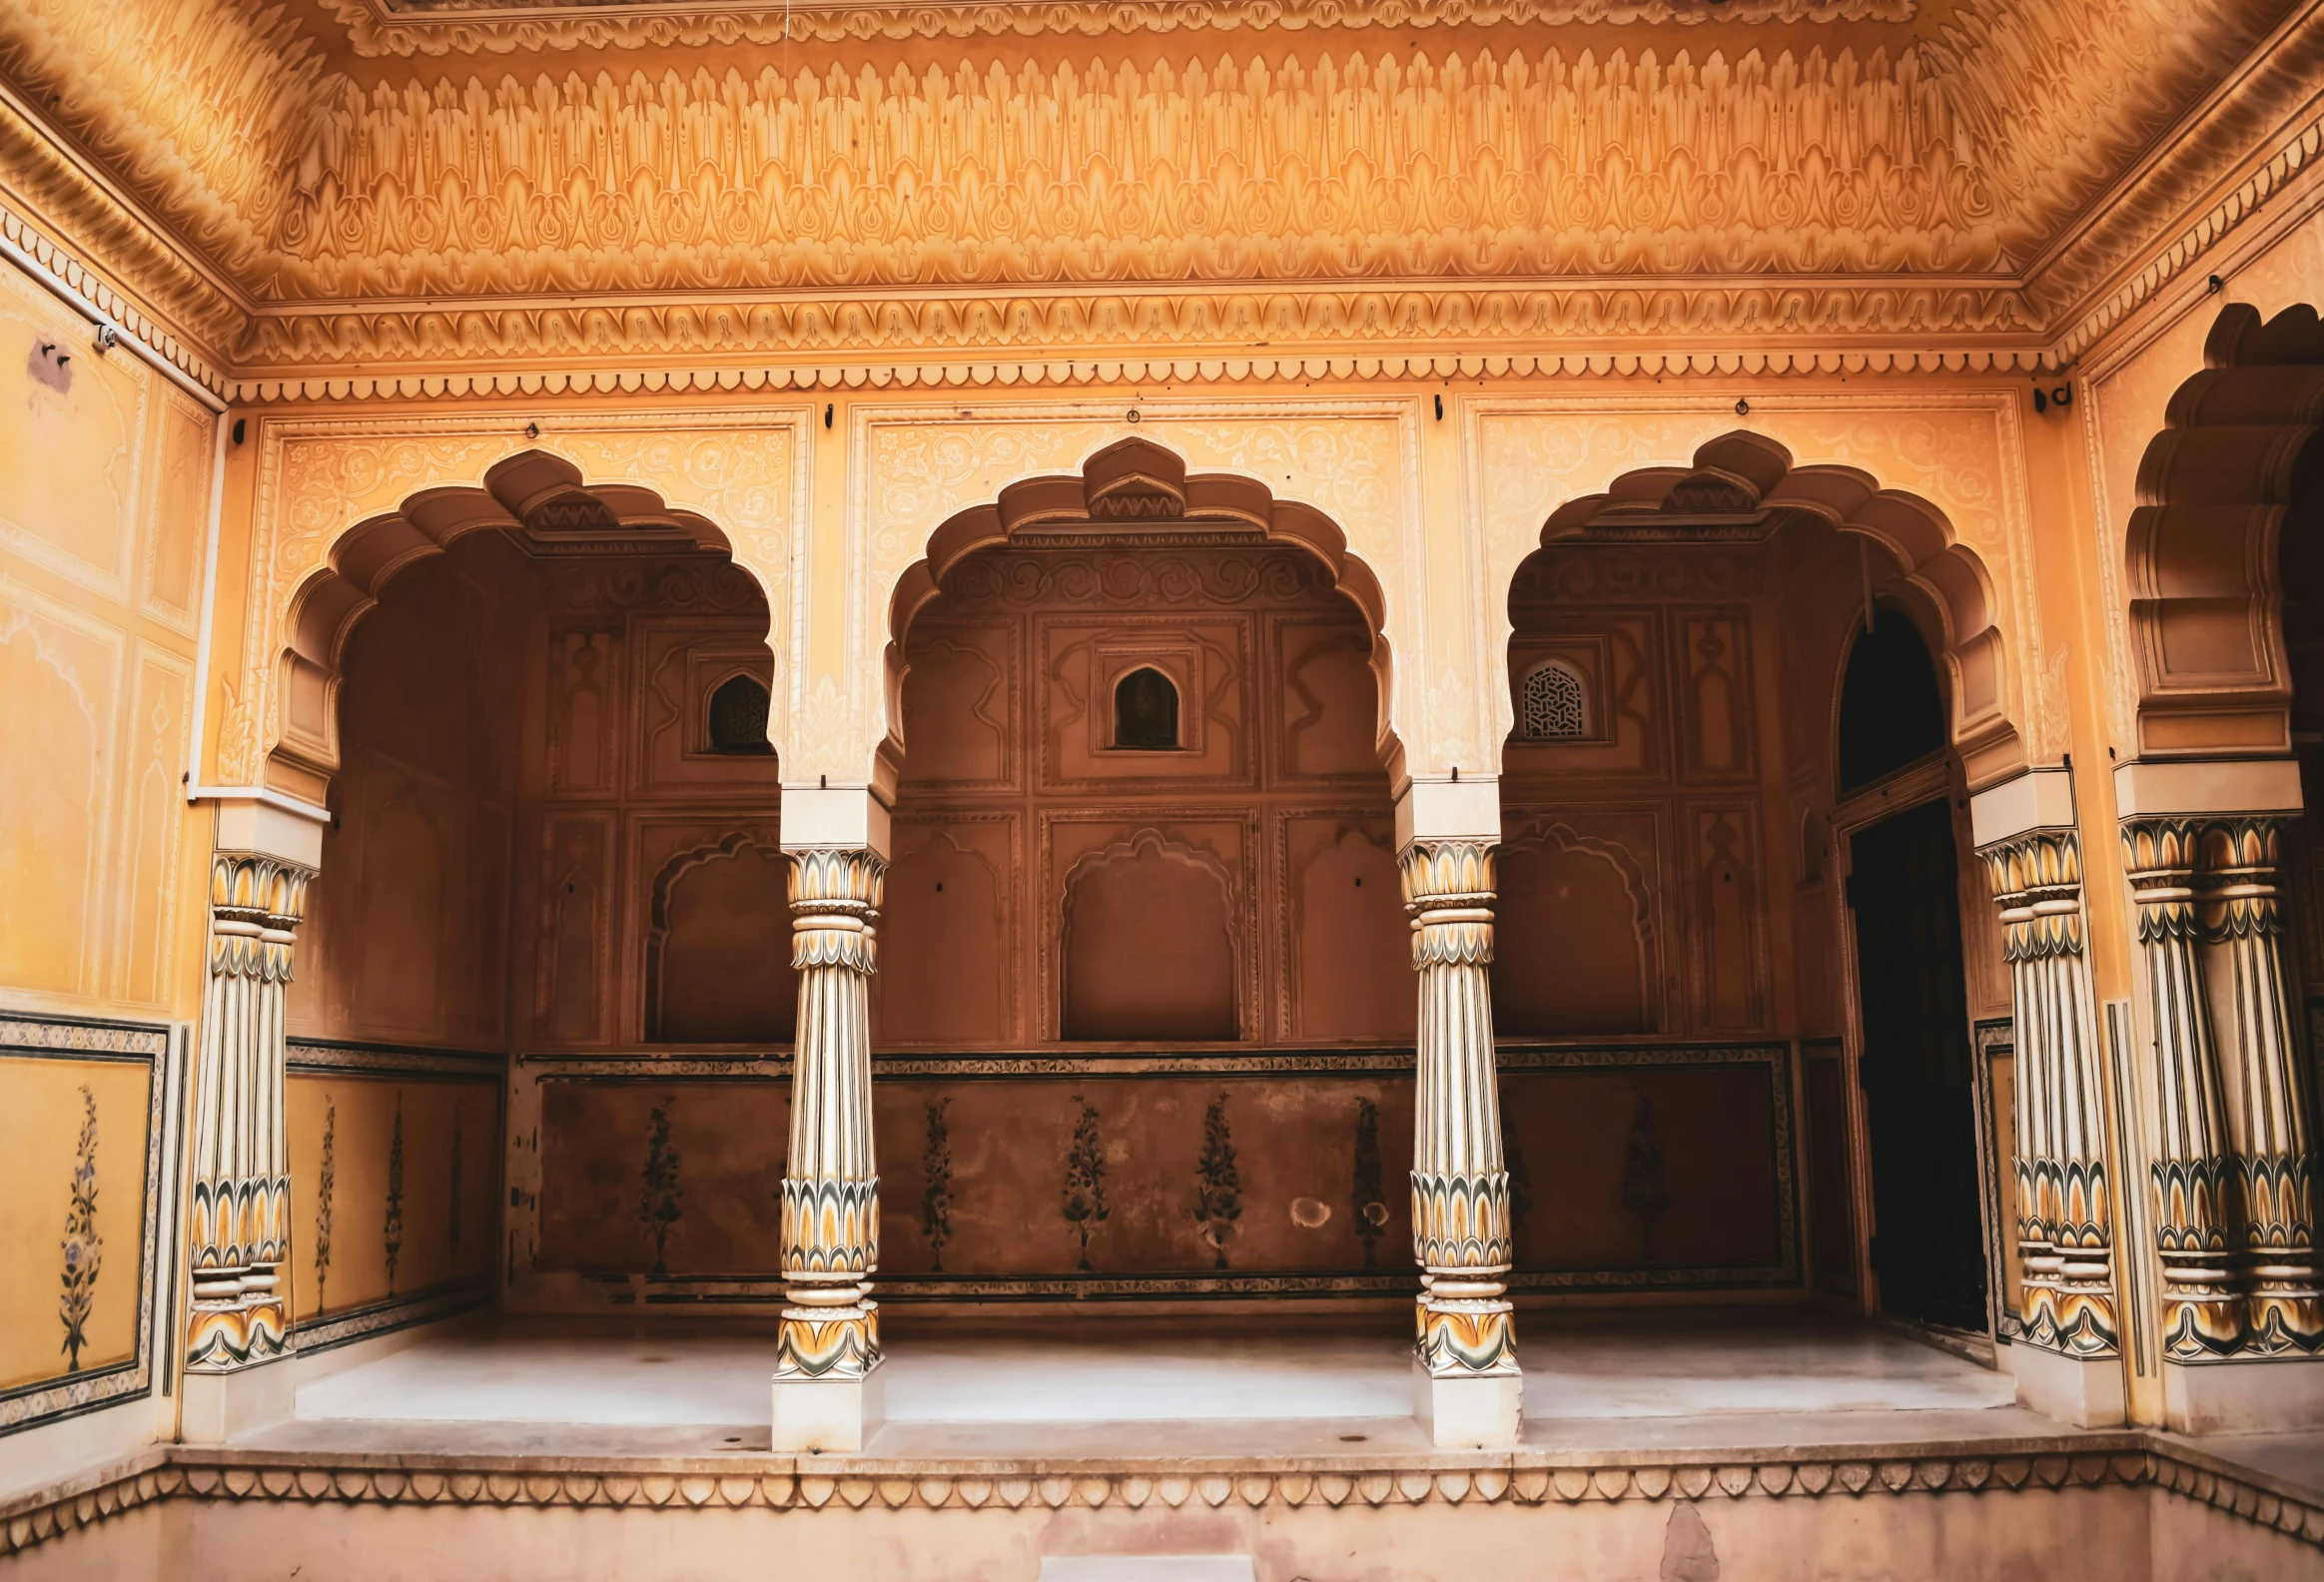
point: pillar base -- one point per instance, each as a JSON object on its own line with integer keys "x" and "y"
{"x": 2085, "y": 1392}
{"x": 2244, "y": 1394}
{"x": 828, "y": 1414}
{"x": 219, "y": 1408}
{"x": 1467, "y": 1412}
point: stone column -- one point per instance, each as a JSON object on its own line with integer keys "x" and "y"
{"x": 239, "y": 1210}
{"x": 2203, "y": 838}
{"x": 1465, "y": 1352}
{"x": 825, "y": 1383}
{"x": 2268, "y": 1117}
{"x": 2068, "y": 1360}
{"x": 2202, "y": 1315}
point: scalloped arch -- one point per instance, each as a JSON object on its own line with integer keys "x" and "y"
{"x": 1134, "y": 484}
{"x": 533, "y": 492}
{"x": 1747, "y": 482}
{"x": 2242, "y": 444}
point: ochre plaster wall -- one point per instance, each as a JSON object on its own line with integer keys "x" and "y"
{"x": 104, "y": 490}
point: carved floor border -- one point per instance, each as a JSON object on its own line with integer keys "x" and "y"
{"x": 2071, "y": 1461}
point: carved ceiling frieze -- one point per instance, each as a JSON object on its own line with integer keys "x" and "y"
{"x": 2010, "y": 173}
{"x": 502, "y": 27}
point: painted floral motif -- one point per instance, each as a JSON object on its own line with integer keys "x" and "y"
{"x": 325, "y": 1182}
{"x": 1646, "y": 1195}
{"x": 1085, "y": 1194}
{"x": 83, "y": 1250}
{"x": 658, "y": 1191}
{"x": 936, "y": 1195}
{"x": 1218, "y": 1194}
{"x": 1370, "y": 1199}
{"x": 395, "y": 1226}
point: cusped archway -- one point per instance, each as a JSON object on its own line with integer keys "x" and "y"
{"x": 1129, "y": 486}
{"x": 2241, "y": 451}
{"x": 541, "y": 498}
{"x": 1745, "y": 487}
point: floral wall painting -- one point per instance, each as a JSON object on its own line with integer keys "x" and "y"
{"x": 79, "y": 1118}
{"x": 391, "y": 1234}
{"x": 326, "y": 1184}
{"x": 936, "y": 1194}
{"x": 1218, "y": 1188}
{"x": 658, "y": 1192}
{"x": 84, "y": 1249}
{"x": 388, "y": 1203}
{"x": 1085, "y": 1192}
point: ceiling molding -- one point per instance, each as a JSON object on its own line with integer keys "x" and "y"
{"x": 501, "y": 27}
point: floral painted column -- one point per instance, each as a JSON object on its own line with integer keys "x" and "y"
{"x": 829, "y": 1347}
{"x": 1465, "y": 1352}
{"x": 239, "y": 1205}
{"x": 2068, "y": 1360}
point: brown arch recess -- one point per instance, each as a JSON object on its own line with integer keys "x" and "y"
{"x": 2238, "y": 449}
{"x": 1744, "y": 486}
{"x": 539, "y": 497}
{"x": 1137, "y": 486}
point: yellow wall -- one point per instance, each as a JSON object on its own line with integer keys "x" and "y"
{"x": 390, "y": 1145}
{"x": 103, "y": 479}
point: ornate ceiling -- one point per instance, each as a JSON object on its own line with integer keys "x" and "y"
{"x": 330, "y": 185}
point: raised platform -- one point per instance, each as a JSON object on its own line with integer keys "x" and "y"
{"x": 537, "y": 1450}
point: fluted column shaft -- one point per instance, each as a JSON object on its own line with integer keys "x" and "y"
{"x": 831, "y": 1184}
{"x": 1461, "y": 1186}
{"x": 2267, "y": 1113}
{"x": 2065, "y": 1221}
{"x": 2202, "y": 1315}
{"x": 240, "y": 1208}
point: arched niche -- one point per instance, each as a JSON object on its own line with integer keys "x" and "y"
{"x": 718, "y": 948}
{"x": 1147, "y": 948}
{"x": 1135, "y": 485}
{"x": 1578, "y": 950}
{"x": 2238, "y": 464}
{"x": 1746, "y": 487}
{"x": 539, "y": 497}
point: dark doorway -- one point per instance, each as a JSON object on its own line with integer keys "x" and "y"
{"x": 1927, "y": 1248}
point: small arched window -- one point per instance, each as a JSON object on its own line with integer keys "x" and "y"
{"x": 1146, "y": 711}
{"x": 1553, "y": 705}
{"x": 738, "y": 717}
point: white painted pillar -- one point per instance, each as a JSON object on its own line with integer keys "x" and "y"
{"x": 2260, "y": 1365}
{"x": 2068, "y": 1360}
{"x": 240, "y": 1208}
{"x": 1468, "y": 1386}
{"x": 826, "y": 1394}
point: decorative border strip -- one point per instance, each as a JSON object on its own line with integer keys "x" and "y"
{"x": 333, "y": 1058}
{"x": 2130, "y": 1459}
{"x": 29, "y": 1036}
{"x": 362, "y": 1323}
{"x": 399, "y": 28}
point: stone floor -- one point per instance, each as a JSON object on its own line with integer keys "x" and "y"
{"x": 1095, "y": 1388}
